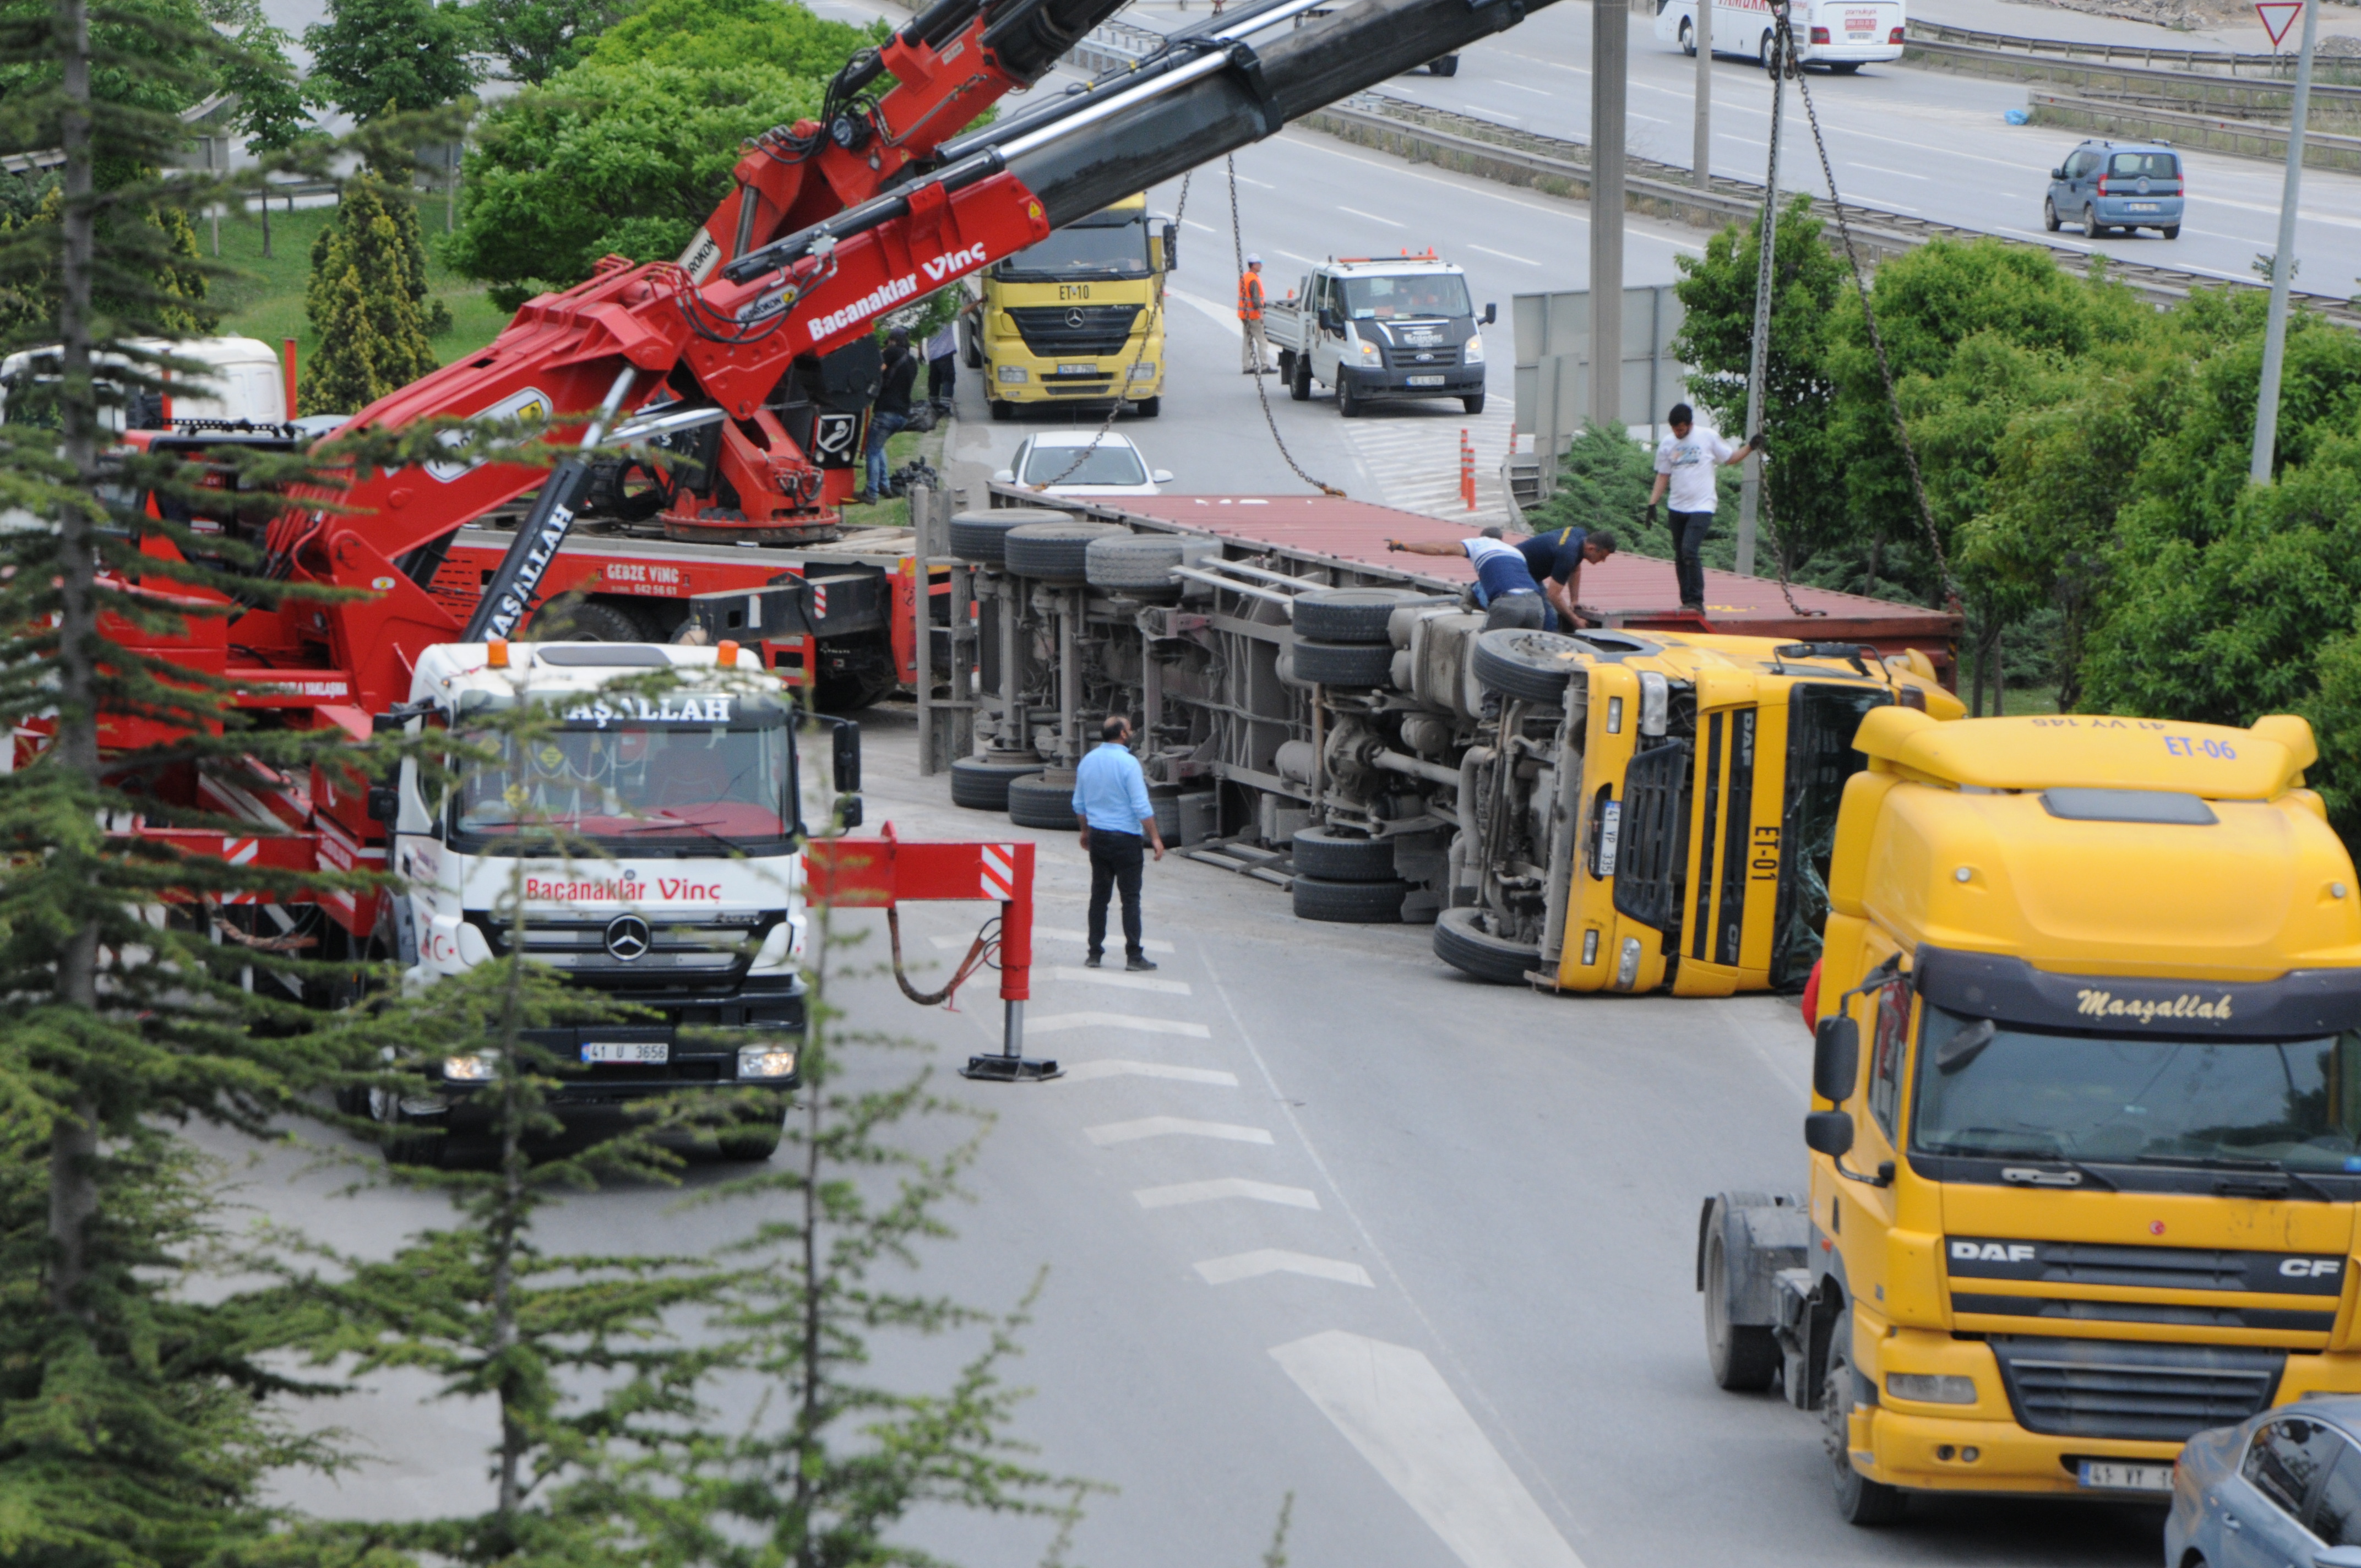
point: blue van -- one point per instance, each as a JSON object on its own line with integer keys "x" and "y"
{"x": 2109, "y": 185}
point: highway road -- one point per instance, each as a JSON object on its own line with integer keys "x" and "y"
{"x": 1319, "y": 1216}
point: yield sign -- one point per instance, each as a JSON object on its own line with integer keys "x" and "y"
{"x": 2277, "y": 16}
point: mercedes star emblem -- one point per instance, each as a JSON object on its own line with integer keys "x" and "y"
{"x": 627, "y": 936}
{"x": 1074, "y": 319}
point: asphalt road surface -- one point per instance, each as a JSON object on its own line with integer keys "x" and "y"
{"x": 1318, "y": 1217}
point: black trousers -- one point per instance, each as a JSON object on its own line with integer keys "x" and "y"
{"x": 1115, "y": 862}
{"x": 942, "y": 375}
{"x": 1689, "y": 529}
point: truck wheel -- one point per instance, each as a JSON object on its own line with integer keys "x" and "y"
{"x": 1688, "y": 40}
{"x": 1350, "y": 903}
{"x": 1338, "y": 857}
{"x": 982, "y": 785}
{"x": 1474, "y": 405}
{"x": 1299, "y": 384}
{"x": 1531, "y": 665}
{"x": 588, "y": 621}
{"x": 1744, "y": 1356}
{"x": 1002, "y": 409}
{"x": 1033, "y": 801}
{"x": 1762, "y": 50}
{"x": 1447, "y": 66}
{"x": 1348, "y": 403}
{"x": 1054, "y": 551}
{"x": 1148, "y": 408}
{"x": 1141, "y": 563}
{"x": 2170, "y": 231}
{"x": 2050, "y": 214}
{"x": 982, "y": 536}
{"x": 1462, "y": 941}
{"x": 1350, "y": 615}
{"x": 1859, "y": 1500}
{"x": 1345, "y": 664}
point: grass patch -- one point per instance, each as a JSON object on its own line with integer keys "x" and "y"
{"x": 262, "y": 297}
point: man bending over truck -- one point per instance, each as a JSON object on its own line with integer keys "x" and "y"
{"x": 1505, "y": 588}
{"x": 1555, "y": 560}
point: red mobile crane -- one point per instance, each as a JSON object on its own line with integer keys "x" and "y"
{"x": 751, "y": 355}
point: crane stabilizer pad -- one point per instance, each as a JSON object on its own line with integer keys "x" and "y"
{"x": 1011, "y": 1070}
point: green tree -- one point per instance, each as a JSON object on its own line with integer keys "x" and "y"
{"x": 374, "y": 58}
{"x": 724, "y": 35}
{"x": 155, "y": 57}
{"x": 608, "y": 159}
{"x": 271, "y": 113}
{"x": 534, "y": 40}
{"x": 363, "y": 302}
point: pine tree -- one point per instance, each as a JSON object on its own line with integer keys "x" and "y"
{"x": 364, "y": 304}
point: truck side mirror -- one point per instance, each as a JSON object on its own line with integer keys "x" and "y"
{"x": 1491, "y": 314}
{"x": 848, "y": 811}
{"x": 2058, "y": 173}
{"x": 1328, "y": 322}
{"x": 1835, "y": 1059}
{"x": 1172, "y": 248}
{"x": 384, "y": 803}
{"x": 847, "y": 757}
{"x": 1829, "y": 1133}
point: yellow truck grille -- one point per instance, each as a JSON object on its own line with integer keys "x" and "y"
{"x": 2149, "y": 1393}
{"x": 2091, "y": 1282}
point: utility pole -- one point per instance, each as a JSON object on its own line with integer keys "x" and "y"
{"x": 1750, "y": 493}
{"x": 2267, "y": 403}
{"x": 1702, "y": 31}
{"x": 1610, "y": 59}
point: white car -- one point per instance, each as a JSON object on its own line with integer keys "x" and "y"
{"x": 1083, "y": 463}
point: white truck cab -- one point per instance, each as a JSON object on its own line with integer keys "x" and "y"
{"x": 1381, "y": 327}
{"x": 649, "y": 847}
{"x": 244, "y": 382}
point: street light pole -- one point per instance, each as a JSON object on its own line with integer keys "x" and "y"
{"x": 1750, "y": 492}
{"x": 1610, "y": 57}
{"x": 1702, "y": 31}
{"x": 2266, "y": 401}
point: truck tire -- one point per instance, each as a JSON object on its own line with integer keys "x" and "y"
{"x": 1139, "y": 563}
{"x": 747, "y": 1145}
{"x": 1350, "y": 903}
{"x": 1346, "y": 663}
{"x": 1744, "y": 1356}
{"x": 1002, "y": 411}
{"x": 1859, "y": 1499}
{"x": 1035, "y": 803}
{"x": 982, "y": 536}
{"x": 1054, "y": 551}
{"x": 1339, "y": 857}
{"x": 1534, "y": 665}
{"x": 1349, "y": 615}
{"x": 1299, "y": 384}
{"x": 1447, "y": 66}
{"x": 983, "y": 785}
{"x": 1461, "y": 941}
{"x": 588, "y": 621}
{"x": 1349, "y": 402}
{"x": 1474, "y": 405}
{"x": 1148, "y": 408}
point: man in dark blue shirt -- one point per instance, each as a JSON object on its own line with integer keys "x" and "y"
{"x": 1557, "y": 558}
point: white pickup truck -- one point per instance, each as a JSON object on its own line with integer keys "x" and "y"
{"x": 1371, "y": 327}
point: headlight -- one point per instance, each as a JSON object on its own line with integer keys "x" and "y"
{"x": 1143, "y": 372}
{"x": 1368, "y": 349}
{"x": 1929, "y": 1388}
{"x": 1012, "y": 373}
{"x": 1474, "y": 353}
{"x": 769, "y": 1059}
{"x": 469, "y": 1070}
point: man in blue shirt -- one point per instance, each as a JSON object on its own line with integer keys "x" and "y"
{"x": 1505, "y": 588}
{"x": 1556, "y": 559}
{"x": 1111, "y": 798}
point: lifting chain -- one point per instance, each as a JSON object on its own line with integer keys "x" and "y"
{"x": 1155, "y": 316}
{"x": 1238, "y": 255}
{"x": 1786, "y": 56}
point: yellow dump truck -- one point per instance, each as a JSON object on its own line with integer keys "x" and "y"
{"x": 1077, "y": 318}
{"x": 2086, "y": 1092}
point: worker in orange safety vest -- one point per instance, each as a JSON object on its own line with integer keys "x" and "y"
{"x": 1254, "y": 353}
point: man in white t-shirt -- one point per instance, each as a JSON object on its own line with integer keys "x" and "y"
{"x": 1686, "y": 461}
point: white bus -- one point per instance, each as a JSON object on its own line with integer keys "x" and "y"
{"x": 1842, "y": 35}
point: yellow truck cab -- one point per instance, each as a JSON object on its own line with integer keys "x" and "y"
{"x": 1643, "y": 810}
{"x": 2086, "y": 1092}
{"x": 1079, "y": 317}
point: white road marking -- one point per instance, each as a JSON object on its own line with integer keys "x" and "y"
{"x": 1209, "y": 228}
{"x": 1881, "y": 169}
{"x": 1054, "y": 933}
{"x": 1117, "y": 979}
{"x": 1270, "y": 1260}
{"x": 1225, "y": 1187}
{"x": 1261, "y": 186}
{"x": 1416, "y": 462}
{"x": 1108, "y": 1132}
{"x": 1371, "y": 216}
{"x": 1062, "y": 1023}
{"x": 1307, "y": 260}
{"x": 1506, "y": 256}
{"x": 1538, "y": 92}
{"x": 1226, "y": 316}
{"x": 1115, "y": 1067}
{"x": 1577, "y": 214}
{"x": 1394, "y": 1407}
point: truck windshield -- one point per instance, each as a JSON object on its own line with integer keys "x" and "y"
{"x": 1821, "y": 723}
{"x": 1095, "y": 252}
{"x": 634, "y": 786}
{"x": 1395, "y": 299}
{"x": 2036, "y": 1094}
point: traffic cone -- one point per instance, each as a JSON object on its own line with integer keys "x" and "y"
{"x": 1467, "y": 471}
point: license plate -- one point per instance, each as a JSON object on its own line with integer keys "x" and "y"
{"x": 1426, "y": 380}
{"x": 1079, "y": 370}
{"x": 635, "y": 1053}
{"x": 2106, "y": 1477}
{"x": 2143, "y": 206}
{"x": 1610, "y": 828}
{"x": 1861, "y": 35}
